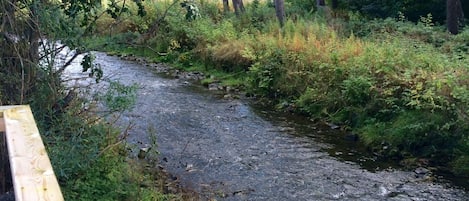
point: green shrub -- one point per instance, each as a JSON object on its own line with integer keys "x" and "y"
{"x": 263, "y": 73}
{"x": 461, "y": 163}
{"x": 260, "y": 14}
{"x": 313, "y": 102}
{"x": 89, "y": 157}
{"x": 417, "y": 133}
{"x": 356, "y": 90}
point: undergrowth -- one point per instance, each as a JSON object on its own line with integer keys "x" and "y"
{"x": 89, "y": 154}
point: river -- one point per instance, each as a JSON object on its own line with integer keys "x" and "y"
{"x": 230, "y": 149}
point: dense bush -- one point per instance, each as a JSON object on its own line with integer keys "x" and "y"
{"x": 379, "y": 86}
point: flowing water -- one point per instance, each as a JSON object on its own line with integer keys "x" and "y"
{"x": 228, "y": 149}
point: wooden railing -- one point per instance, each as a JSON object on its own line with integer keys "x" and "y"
{"x": 31, "y": 171}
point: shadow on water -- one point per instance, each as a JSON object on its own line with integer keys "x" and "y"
{"x": 342, "y": 147}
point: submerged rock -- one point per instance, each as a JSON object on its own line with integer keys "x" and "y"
{"x": 351, "y": 137}
{"x": 213, "y": 86}
{"x": 421, "y": 171}
{"x": 143, "y": 152}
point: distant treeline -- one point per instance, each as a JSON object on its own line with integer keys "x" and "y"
{"x": 412, "y": 9}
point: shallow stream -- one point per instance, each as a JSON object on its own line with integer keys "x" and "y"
{"x": 228, "y": 149}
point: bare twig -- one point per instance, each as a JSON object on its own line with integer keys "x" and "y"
{"x": 155, "y": 25}
{"x": 62, "y": 68}
{"x": 184, "y": 149}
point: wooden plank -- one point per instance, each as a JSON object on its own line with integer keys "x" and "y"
{"x": 2, "y": 123}
{"x": 4, "y": 161}
{"x": 32, "y": 173}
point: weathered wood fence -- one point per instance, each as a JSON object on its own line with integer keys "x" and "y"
{"x": 31, "y": 171}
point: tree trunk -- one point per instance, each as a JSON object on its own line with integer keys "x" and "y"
{"x": 320, "y": 2}
{"x": 280, "y": 11}
{"x": 226, "y": 6}
{"x": 238, "y": 7}
{"x": 454, "y": 15}
{"x": 13, "y": 55}
{"x": 33, "y": 33}
{"x": 241, "y": 6}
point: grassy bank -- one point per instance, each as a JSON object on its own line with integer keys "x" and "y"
{"x": 402, "y": 87}
{"x": 88, "y": 152}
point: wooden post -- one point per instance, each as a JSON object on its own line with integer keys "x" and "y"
{"x": 31, "y": 170}
{"x": 2, "y": 122}
{"x": 5, "y": 179}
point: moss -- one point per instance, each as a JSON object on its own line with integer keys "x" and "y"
{"x": 461, "y": 165}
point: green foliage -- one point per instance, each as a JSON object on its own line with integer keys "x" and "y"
{"x": 80, "y": 8}
{"x": 426, "y": 134}
{"x": 264, "y": 73}
{"x": 299, "y": 8}
{"x": 259, "y": 15}
{"x": 395, "y": 88}
{"x": 90, "y": 164}
{"x": 115, "y": 10}
{"x": 89, "y": 156}
{"x": 95, "y": 69}
{"x": 357, "y": 90}
{"x": 97, "y": 184}
{"x": 313, "y": 102}
{"x": 461, "y": 163}
{"x": 375, "y": 8}
{"x": 120, "y": 97}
